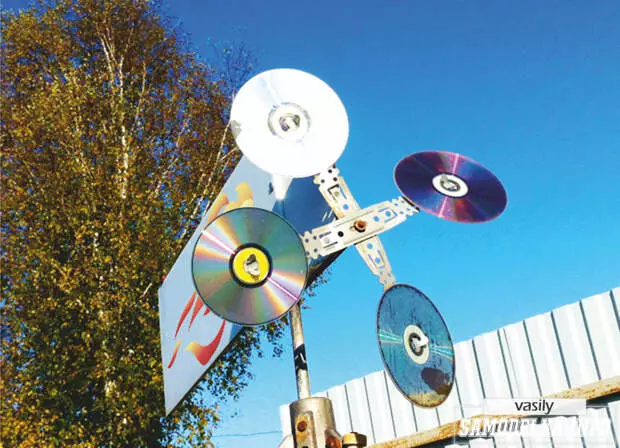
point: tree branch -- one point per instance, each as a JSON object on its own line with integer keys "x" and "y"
{"x": 140, "y": 99}
{"x": 177, "y": 147}
{"x": 220, "y": 158}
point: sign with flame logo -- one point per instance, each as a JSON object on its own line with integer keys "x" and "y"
{"x": 192, "y": 337}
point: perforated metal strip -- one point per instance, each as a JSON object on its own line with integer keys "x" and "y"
{"x": 359, "y": 232}
{"x": 345, "y": 232}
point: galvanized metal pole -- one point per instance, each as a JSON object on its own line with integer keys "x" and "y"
{"x": 299, "y": 353}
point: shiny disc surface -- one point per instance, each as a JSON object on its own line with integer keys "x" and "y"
{"x": 415, "y": 345}
{"x": 249, "y": 266}
{"x": 450, "y": 186}
{"x": 289, "y": 122}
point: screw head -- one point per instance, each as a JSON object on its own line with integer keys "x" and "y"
{"x": 360, "y": 225}
{"x": 302, "y": 426}
{"x": 332, "y": 442}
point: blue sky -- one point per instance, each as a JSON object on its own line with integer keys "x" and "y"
{"x": 530, "y": 89}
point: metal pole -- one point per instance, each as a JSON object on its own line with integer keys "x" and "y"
{"x": 299, "y": 353}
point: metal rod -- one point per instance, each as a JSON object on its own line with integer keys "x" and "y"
{"x": 299, "y": 353}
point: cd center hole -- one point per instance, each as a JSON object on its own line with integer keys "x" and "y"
{"x": 449, "y": 184}
{"x": 251, "y": 266}
{"x": 415, "y": 344}
{"x": 290, "y": 121}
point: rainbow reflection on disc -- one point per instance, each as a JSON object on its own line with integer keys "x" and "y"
{"x": 450, "y": 186}
{"x": 415, "y": 345}
{"x": 249, "y": 266}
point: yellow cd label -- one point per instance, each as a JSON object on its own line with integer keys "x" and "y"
{"x": 251, "y": 265}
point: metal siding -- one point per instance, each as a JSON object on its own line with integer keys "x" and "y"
{"x": 467, "y": 378}
{"x": 380, "y": 411}
{"x": 402, "y": 411}
{"x": 575, "y": 345}
{"x": 614, "y": 414}
{"x": 508, "y": 362}
{"x": 563, "y": 435}
{"x": 494, "y": 378}
{"x": 285, "y": 420}
{"x": 481, "y": 443}
{"x": 491, "y": 366}
{"x": 450, "y": 410}
{"x": 538, "y": 437}
{"x": 547, "y": 359}
{"x": 360, "y": 413}
{"x": 598, "y": 436}
{"x": 338, "y": 397}
{"x": 425, "y": 418}
{"x": 508, "y": 441}
{"x": 603, "y": 327}
{"x": 519, "y": 360}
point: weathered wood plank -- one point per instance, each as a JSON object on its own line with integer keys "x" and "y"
{"x": 589, "y": 391}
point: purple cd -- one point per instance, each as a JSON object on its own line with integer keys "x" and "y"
{"x": 450, "y": 186}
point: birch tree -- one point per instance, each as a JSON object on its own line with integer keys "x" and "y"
{"x": 114, "y": 138}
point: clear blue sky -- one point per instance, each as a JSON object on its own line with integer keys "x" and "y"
{"x": 530, "y": 89}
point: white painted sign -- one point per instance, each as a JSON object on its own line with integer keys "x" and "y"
{"x": 192, "y": 337}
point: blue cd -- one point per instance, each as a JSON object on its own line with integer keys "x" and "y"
{"x": 415, "y": 345}
{"x": 450, "y": 186}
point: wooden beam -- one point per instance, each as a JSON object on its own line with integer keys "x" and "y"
{"x": 591, "y": 391}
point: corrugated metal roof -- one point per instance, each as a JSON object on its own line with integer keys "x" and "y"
{"x": 567, "y": 348}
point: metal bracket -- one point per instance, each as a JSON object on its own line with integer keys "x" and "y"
{"x": 356, "y": 227}
{"x": 337, "y": 194}
{"x": 305, "y": 431}
{"x": 376, "y": 259}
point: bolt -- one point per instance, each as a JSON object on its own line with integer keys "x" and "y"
{"x": 332, "y": 442}
{"x": 302, "y": 426}
{"x": 360, "y": 225}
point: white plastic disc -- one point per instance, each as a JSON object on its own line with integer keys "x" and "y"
{"x": 289, "y": 122}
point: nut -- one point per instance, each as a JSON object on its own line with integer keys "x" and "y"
{"x": 302, "y": 426}
{"x": 360, "y": 225}
{"x": 332, "y": 442}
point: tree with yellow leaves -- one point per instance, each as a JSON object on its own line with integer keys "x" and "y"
{"x": 114, "y": 138}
